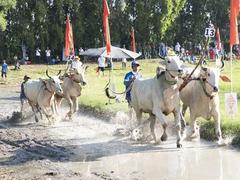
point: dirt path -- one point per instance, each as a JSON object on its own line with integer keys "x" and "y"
{"x": 86, "y": 148}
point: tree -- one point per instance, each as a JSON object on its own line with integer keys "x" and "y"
{"x": 5, "y": 5}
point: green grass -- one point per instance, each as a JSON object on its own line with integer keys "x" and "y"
{"x": 93, "y": 94}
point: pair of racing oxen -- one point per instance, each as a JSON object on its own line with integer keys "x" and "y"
{"x": 163, "y": 94}
{"x": 45, "y": 95}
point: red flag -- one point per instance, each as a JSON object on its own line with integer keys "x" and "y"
{"x": 106, "y": 29}
{"x": 133, "y": 41}
{"x": 218, "y": 40}
{"x": 69, "y": 44}
{"x": 234, "y": 12}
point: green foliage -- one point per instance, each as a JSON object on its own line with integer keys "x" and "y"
{"x": 5, "y": 5}
{"x": 41, "y": 23}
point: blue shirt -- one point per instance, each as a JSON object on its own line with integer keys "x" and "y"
{"x": 128, "y": 81}
{"x": 4, "y": 67}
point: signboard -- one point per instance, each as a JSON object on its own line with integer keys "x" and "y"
{"x": 231, "y": 107}
{"x": 209, "y": 32}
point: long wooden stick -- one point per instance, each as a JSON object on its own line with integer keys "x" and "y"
{"x": 186, "y": 81}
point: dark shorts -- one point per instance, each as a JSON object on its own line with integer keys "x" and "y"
{"x": 4, "y": 74}
{"x": 101, "y": 69}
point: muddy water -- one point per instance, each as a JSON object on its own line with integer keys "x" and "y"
{"x": 86, "y": 148}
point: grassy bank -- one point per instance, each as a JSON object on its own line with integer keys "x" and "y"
{"x": 93, "y": 95}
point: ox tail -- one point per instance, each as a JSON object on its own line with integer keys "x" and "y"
{"x": 108, "y": 94}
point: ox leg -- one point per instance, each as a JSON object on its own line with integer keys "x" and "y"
{"x": 182, "y": 114}
{"x": 47, "y": 114}
{"x": 34, "y": 109}
{"x": 152, "y": 119}
{"x": 75, "y": 104}
{"x": 193, "y": 126}
{"x": 217, "y": 119}
{"x": 178, "y": 127}
{"x": 70, "y": 103}
{"x": 159, "y": 115}
{"x": 130, "y": 112}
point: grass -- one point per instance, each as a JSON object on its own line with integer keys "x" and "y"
{"x": 93, "y": 94}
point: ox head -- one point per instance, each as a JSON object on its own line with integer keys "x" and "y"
{"x": 53, "y": 83}
{"x": 211, "y": 78}
{"x": 173, "y": 67}
{"x": 79, "y": 75}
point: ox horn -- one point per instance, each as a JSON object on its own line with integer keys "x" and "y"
{"x": 223, "y": 64}
{"x": 48, "y": 74}
{"x": 59, "y": 72}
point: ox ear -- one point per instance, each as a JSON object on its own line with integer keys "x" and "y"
{"x": 159, "y": 71}
{"x": 225, "y": 78}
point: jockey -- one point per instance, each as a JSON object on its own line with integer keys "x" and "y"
{"x": 130, "y": 77}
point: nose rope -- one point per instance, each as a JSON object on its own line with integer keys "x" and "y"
{"x": 203, "y": 84}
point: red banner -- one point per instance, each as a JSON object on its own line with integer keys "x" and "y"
{"x": 133, "y": 41}
{"x": 218, "y": 39}
{"x": 234, "y": 12}
{"x": 69, "y": 44}
{"x": 106, "y": 29}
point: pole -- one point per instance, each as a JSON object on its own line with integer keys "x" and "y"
{"x": 231, "y": 68}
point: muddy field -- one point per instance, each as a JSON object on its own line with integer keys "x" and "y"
{"x": 89, "y": 148}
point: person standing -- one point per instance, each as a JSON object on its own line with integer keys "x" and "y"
{"x": 48, "y": 55}
{"x": 101, "y": 65}
{"x": 23, "y": 97}
{"x": 38, "y": 55}
{"x": 75, "y": 64}
{"x": 177, "y": 48}
{"x": 124, "y": 63}
{"x": 130, "y": 77}
{"x": 128, "y": 80}
{"x": 4, "y": 70}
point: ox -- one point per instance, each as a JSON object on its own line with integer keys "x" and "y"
{"x": 201, "y": 96}
{"x": 159, "y": 96}
{"x": 40, "y": 95}
{"x": 72, "y": 87}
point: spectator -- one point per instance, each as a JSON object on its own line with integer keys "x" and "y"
{"x": 57, "y": 60}
{"x": 38, "y": 55}
{"x": 4, "y": 70}
{"x": 162, "y": 50}
{"x": 48, "y": 55}
{"x": 101, "y": 65}
{"x": 124, "y": 63}
{"x": 74, "y": 64}
{"x": 177, "y": 48}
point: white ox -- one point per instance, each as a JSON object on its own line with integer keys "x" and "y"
{"x": 201, "y": 96}
{"x": 40, "y": 95}
{"x": 159, "y": 96}
{"x": 72, "y": 87}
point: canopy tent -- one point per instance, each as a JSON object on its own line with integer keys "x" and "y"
{"x": 116, "y": 53}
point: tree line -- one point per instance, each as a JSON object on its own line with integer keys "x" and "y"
{"x": 41, "y": 23}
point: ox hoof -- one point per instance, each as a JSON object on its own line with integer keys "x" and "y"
{"x": 36, "y": 119}
{"x": 179, "y": 145}
{"x": 164, "y": 137}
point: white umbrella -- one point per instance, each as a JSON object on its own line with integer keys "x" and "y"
{"x": 116, "y": 52}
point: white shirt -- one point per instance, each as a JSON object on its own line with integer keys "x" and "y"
{"x": 76, "y": 64}
{"x": 48, "y": 52}
{"x": 177, "y": 47}
{"x": 38, "y": 52}
{"x": 101, "y": 61}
